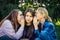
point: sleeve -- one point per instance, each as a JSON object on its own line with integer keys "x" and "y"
{"x": 19, "y": 33}
{"x": 36, "y": 33}
{"x": 9, "y": 31}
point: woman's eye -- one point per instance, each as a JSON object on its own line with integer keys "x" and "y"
{"x": 30, "y": 16}
{"x": 27, "y": 15}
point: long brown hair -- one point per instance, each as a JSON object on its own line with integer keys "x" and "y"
{"x": 13, "y": 18}
{"x": 30, "y": 30}
{"x": 31, "y": 11}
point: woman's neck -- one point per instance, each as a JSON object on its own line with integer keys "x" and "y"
{"x": 28, "y": 24}
{"x": 42, "y": 20}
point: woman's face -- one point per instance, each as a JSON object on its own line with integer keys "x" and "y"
{"x": 39, "y": 15}
{"x": 19, "y": 16}
{"x": 28, "y": 17}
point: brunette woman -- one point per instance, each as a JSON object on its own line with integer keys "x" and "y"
{"x": 10, "y": 24}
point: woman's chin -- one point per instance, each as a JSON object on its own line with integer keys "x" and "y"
{"x": 28, "y": 22}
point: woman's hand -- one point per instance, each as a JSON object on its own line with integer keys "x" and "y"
{"x": 35, "y": 23}
{"x": 22, "y": 22}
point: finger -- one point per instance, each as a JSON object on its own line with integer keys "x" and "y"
{"x": 22, "y": 17}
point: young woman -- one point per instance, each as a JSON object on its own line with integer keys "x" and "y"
{"x": 28, "y": 30}
{"x": 47, "y": 30}
{"x": 9, "y": 26}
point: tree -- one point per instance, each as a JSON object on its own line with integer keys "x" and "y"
{"x": 6, "y": 6}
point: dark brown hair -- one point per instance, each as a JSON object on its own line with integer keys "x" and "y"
{"x": 32, "y": 13}
{"x": 30, "y": 30}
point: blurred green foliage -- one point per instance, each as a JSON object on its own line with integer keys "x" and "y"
{"x": 53, "y": 6}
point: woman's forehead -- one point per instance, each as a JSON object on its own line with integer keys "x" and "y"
{"x": 28, "y": 13}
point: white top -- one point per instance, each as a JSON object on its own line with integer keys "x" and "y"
{"x": 7, "y": 29}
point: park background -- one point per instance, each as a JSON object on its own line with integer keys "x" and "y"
{"x": 53, "y": 7}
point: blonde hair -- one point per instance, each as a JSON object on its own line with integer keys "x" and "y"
{"x": 44, "y": 11}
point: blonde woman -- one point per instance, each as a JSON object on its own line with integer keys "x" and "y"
{"x": 47, "y": 28}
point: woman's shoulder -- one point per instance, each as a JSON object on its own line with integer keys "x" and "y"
{"x": 6, "y": 23}
{"x": 49, "y": 23}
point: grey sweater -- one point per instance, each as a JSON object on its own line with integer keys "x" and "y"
{"x": 7, "y": 29}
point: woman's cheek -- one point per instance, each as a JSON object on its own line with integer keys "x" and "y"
{"x": 31, "y": 19}
{"x": 19, "y": 18}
